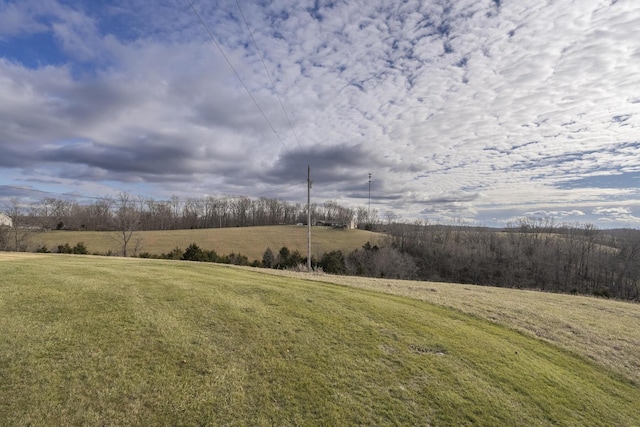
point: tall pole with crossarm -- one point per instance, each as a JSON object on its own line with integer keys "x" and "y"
{"x": 369, "y": 214}
{"x": 308, "y": 218}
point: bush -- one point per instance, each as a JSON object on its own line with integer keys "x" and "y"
{"x": 283, "y": 257}
{"x": 268, "y": 259}
{"x": 176, "y": 254}
{"x": 194, "y": 253}
{"x": 64, "y": 249}
{"x": 237, "y": 259}
{"x": 79, "y": 249}
{"x": 333, "y": 262}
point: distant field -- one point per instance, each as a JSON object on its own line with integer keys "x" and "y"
{"x": 113, "y": 341}
{"x": 250, "y": 241}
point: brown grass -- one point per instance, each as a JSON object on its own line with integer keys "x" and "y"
{"x": 249, "y": 241}
{"x": 17, "y": 256}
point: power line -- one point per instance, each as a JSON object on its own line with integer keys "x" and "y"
{"x": 294, "y": 133}
{"x": 238, "y": 76}
{"x": 262, "y": 112}
{"x": 79, "y": 196}
{"x": 273, "y": 85}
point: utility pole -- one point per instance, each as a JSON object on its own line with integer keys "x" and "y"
{"x": 309, "y": 218}
{"x": 369, "y": 214}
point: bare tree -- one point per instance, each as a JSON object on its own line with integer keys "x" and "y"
{"x": 362, "y": 217}
{"x": 176, "y": 208}
{"x": 17, "y": 237}
{"x": 191, "y": 212}
{"x": 240, "y": 207}
{"x": 127, "y": 219}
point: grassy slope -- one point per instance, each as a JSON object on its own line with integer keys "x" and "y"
{"x": 605, "y": 331}
{"x": 88, "y": 340}
{"x": 250, "y": 241}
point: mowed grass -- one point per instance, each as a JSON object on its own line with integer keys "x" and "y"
{"x": 249, "y": 241}
{"x": 113, "y": 341}
{"x": 604, "y": 331}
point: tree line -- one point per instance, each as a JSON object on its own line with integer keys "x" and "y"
{"x": 141, "y": 213}
{"x": 532, "y": 253}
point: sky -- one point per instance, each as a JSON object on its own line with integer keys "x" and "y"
{"x": 464, "y": 111}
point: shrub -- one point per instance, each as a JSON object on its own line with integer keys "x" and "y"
{"x": 64, "y": 249}
{"x": 194, "y": 253}
{"x": 268, "y": 259}
{"x": 333, "y": 262}
{"x": 79, "y": 249}
{"x": 237, "y": 259}
{"x": 283, "y": 257}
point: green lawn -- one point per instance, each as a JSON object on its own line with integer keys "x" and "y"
{"x": 250, "y": 241}
{"x": 111, "y": 341}
{"x": 605, "y": 331}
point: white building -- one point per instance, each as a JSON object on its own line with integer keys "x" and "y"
{"x": 5, "y": 220}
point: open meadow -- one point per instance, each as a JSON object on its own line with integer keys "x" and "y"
{"x": 249, "y": 241}
{"x": 112, "y": 341}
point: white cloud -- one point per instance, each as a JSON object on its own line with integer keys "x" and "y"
{"x": 20, "y": 18}
{"x": 509, "y": 105}
{"x": 555, "y": 214}
{"x": 612, "y": 211}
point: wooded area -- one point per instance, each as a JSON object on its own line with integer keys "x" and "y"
{"x": 533, "y": 253}
{"x": 127, "y": 211}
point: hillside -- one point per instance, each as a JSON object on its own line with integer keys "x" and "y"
{"x": 104, "y": 341}
{"x": 602, "y": 330}
{"x": 250, "y": 241}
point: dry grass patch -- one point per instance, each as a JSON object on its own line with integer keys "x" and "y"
{"x": 16, "y": 256}
{"x": 249, "y": 241}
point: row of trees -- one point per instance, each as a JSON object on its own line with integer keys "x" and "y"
{"x": 108, "y": 214}
{"x": 531, "y": 253}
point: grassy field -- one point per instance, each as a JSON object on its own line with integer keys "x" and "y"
{"x": 250, "y": 241}
{"x": 112, "y": 341}
{"x": 604, "y": 331}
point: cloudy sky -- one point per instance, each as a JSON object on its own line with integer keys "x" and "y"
{"x": 479, "y": 111}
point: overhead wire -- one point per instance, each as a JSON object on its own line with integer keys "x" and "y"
{"x": 237, "y": 74}
{"x": 226, "y": 58}
{"x": 266, "y": 69}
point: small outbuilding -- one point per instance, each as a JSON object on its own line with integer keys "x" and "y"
{"x": 5, "y": 220}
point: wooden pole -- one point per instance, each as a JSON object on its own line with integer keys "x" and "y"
{"x": 309, "y": 218}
